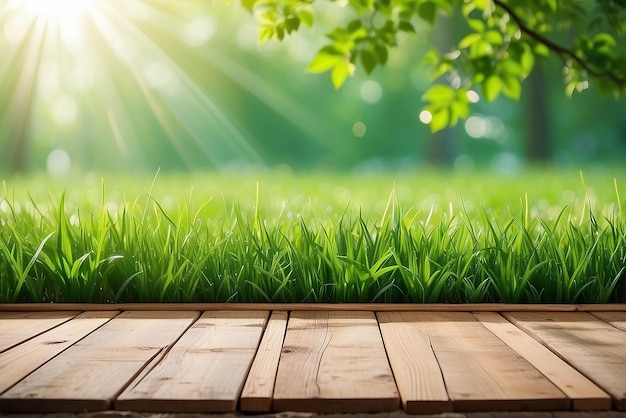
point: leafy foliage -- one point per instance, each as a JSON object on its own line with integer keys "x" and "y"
{"x": 497, "y": 45}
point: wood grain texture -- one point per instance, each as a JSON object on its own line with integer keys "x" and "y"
{"x": 259, "y": 388}
{"x": 17, "y": 327}
{"x": 205, "y": 370}
{"x": 334, "y": 362}
{"x": 593, "y": 347}
{"x": 481, "y": 372}
{"x": 616, "y": 319}
{"x": 88, "y": 375}
{"x": 584, "y": 394}
{"x": 414, "y": 365}
{"x": 20, "y": 361}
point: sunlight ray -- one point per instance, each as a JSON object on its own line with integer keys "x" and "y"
{"x": 117, "y": 134}
{"x": 291, "y": 110}
{"x": 23, "y": 95}
{"x": 192, "y": 106}
{"x": 111, "y": 37}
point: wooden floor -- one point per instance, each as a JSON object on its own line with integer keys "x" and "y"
{"x": 351, "y": 358}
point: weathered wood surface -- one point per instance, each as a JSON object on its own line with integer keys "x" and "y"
{"x": 91, "y": 373}
{"x": 585, "y": 395}
{"x": 17, "y": 327}
{"x": 592, "y": 346}
{"x": 205, "y": 370}
{"x": 481, "y": 372}
{"x": 20, "y": 361}
{"x": 334, "y": 362}
{"x": 617, "y": 319}
{"x": 259, "y": 388}
{"x": 320, "y": 361}
{"x": 415, "y": 367}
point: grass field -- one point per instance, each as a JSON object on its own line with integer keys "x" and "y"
{"x": 551, "y": 236}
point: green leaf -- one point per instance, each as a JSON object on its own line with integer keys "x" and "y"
{"x": 440, "y": 120}
{"x": 339, "y": 35}
{"x": 460, "y": 110}
{"x": 527, "y": 60}
{"x": 509, "y": 67}
{"x": 480, "y": 4}
{"x": 280, "y": 31}
{"x": 492, "y": 87}
{"x": 541, "y": 50}
{"x": 306, "y": 16}
{"x": 439, "y": 93}
{"x": 292, "y": 24}
{"x": 326, "y": 59}
{"x": 266, "y": 32}
{"x": 405, "y": 26}
{"x": 552, "y": 4}
{"x": 341, "y": 72}
{"x": 603, "y": 41}
{"x": 382, "y": 54}
{"x": 476, "y": 24}
{"x": 469, "y": 40}
{"x": 493, "y": 37}
{"x": 369, "y": 61}
{"x": 512, "y": 87}
{"x": 428, "y": 11}
{"x": 248, "y": 4}
{"x": 481, "y": 48}
{"x": 268, "y": 17}
{"x": 354, "y": 25}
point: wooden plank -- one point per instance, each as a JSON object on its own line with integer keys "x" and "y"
{"x": 593, "y": 347}
{"x": 20, "y": 361}
{"x": 617, "y": 319}
{"x": 585, "y": 395}
{"x": 205, "y": 370}
{"x": 334, "y": 362}
{"x": 414, "y": 364}
{"x": 259, "y": 388}
{"x": 17, "y": 327}
{"x": 366, "y": 307}
{"x": 89, "y": 374}
{"x": 481, "y": 372}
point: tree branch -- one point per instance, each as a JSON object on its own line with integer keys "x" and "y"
{"x": 562, "y": 51}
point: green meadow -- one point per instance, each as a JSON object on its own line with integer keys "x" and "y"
{"x": 426, "y": 236}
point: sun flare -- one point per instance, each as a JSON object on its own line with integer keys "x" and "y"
{"x": 73, "y": 64}
{"x": 59, "y": 10}
{"x": 65, "y": 17}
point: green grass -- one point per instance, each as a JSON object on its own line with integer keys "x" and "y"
{"x": 537, "y": 237}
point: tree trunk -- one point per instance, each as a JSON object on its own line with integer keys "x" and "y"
{"x": 539, "y": 144}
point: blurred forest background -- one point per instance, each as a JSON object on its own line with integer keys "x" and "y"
{"x": 134, "y": 86}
